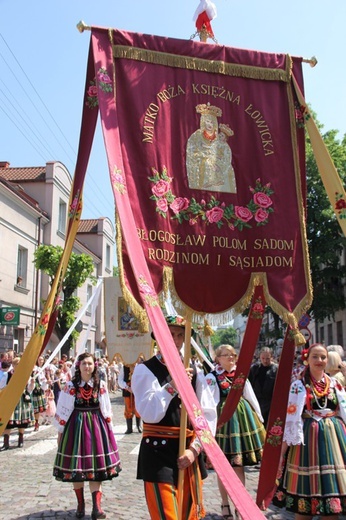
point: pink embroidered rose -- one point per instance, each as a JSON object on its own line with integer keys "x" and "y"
{"x": 242, "y": 213}
{"x": 162, "y": 204}
{"x": 214, "y": 214}
{"x": 92, "y": 91}
{"x": 179, "y": 204}
{"x": 104, "y": 77}
{"x": 117, "y": 177}
{"x": 201, "y": 423}
{"x": 276, "y": 430}
{"x": 192, "y": 221}
{"x": 161, "y": 188}
{"x": 261, "y": 215}
{"x": 144, "y": 287}
{"x": 335, "y": 505}
{"x": 262, "y": 200}
{"x": 258, "y": 307}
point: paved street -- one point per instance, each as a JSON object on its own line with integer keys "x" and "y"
{"x": 28, "y": 490}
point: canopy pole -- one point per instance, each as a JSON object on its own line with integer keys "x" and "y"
{"x": 203, "y": 35}
{"x": 81, "y": 26}
{"x": 312, "y": 61}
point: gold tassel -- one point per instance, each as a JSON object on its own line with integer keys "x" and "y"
{"x": 297, "y": 337}
{"x": 207, "y": 331}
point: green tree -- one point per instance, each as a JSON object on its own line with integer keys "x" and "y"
{"x": 228, "y": 336}
{"x": 325, "y": 238}
{"x": 80, "y": 268}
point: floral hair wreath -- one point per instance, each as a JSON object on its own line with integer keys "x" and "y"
{"x": 305, "y": 355}
{"x": 306, "y": 351}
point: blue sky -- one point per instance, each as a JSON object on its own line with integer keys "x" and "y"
{"x": 43, "y": 62}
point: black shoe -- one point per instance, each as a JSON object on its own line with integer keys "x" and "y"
{"x": 129, "y": 426}
{"x": 139, "y": 424}
{"x": 4, "y": 448}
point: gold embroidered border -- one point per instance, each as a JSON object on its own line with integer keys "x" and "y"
{"x": 198, "y": 64}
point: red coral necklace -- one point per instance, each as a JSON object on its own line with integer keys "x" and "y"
{"x": 86, "y": 392}
{"x": 208, "y": 137}
{"x": 320, "y": 388}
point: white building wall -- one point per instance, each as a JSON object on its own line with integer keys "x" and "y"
{"x": 19, "y": 225}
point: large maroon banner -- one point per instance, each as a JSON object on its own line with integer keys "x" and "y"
{"x": 205, "y": 148}
{"x": 212, "y": 162}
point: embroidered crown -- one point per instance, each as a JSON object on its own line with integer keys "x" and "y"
{"x": 226, "y": 129}
{"x": 208, "y": 109}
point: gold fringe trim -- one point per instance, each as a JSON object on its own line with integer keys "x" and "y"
{"x": 211, "y": 66}
{"x": 291, "y": 318}
{"x": 136, "y": 308}
{"x": 300, "y": 201}
{"x": 118, "y": 356}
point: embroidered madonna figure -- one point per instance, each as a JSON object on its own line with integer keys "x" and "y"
{"x": 208, "y": 155}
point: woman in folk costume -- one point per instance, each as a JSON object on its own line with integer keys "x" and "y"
{"x": 38, "y": 395}
{"x": 314, "y": 473}
{"x": 87, "y": 450}
{"x": 241, "y": 438}
{"x": 23, "y": 414}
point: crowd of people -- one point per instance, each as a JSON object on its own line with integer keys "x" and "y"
{"x": 38, "y": 403}
{"x": 74, "y": 395}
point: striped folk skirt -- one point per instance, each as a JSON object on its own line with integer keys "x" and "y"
{"x": 23, "y": 414}
{"x": 314, "y": 480}
{"x": 241, "y": 439}
{"x": 87, "y": 449}
{"x": 39, "y": 402}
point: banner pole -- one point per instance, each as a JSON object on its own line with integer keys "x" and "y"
{"x": 183, "y": 416}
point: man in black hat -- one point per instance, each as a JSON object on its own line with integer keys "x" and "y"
{"x": 159, "y": 404}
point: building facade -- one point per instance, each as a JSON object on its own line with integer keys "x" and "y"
{"x": 33, "y": 211}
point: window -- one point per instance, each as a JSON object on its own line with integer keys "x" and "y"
{"x": 108, "y": 256}
{"x": 89, "y": 295}
{"x": 88, "y": 346}
{"x": 339, "y": 334}
{"x": 321, "y": 334}
{"x": 62, "y": 216}
{"x": 22, "y": 266}
{"x": 330, "y": 333}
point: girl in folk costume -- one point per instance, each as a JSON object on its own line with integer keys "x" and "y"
{"x": 38, "y": 395}
{"x": 242, "y": 437}
{"x": 87, "y": 450}
{"x": 50, "y": 412}
{"x": 23, "y": 415}
{"x": 314, "y": 474}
